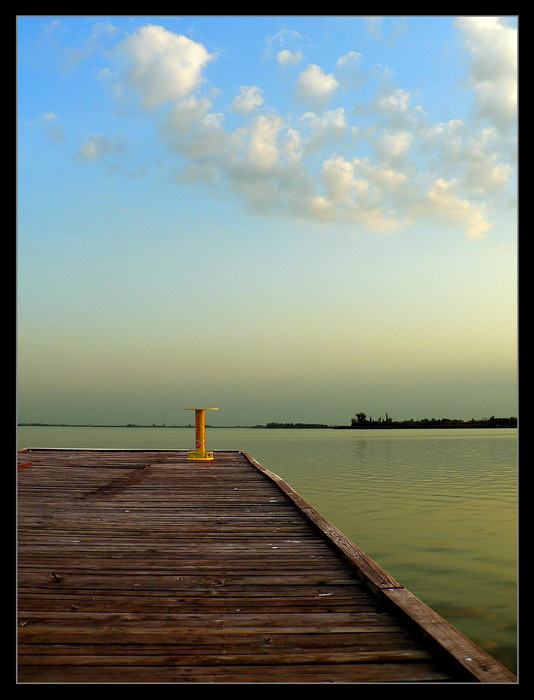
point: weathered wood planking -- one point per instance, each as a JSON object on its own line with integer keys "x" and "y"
{"x": 139, "y": 566}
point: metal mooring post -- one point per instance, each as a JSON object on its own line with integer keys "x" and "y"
{"x": 200, "y": 454}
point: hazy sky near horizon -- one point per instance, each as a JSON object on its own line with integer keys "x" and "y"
{"x": 291, "y": 218}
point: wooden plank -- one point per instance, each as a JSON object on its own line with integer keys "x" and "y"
{"x": 297, "y": 673}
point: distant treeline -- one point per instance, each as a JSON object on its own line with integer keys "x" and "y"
{"x": 361, "y": 421}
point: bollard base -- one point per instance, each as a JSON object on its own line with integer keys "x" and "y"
{"x": 200, "y": 456}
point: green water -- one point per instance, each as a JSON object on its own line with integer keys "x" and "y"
{"x": 436, "y": 508}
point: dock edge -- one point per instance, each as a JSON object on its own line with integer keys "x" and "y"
{"x": 446, "y": 639}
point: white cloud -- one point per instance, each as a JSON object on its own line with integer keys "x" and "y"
{"x": 98, "y": 147}
{"x": 385, "y": 179}
{"x": 184, "y": 115}
{"x": 339, "y": 180}
{"x": 282, "y": 35}
{"x": 192, "y": 131}
{"x": 348, "y": 70}
{"x": 375, "y": 219}
{"x": 395, "y": 105}
{"x": 305, "y": 164}
{"x": 210, "y": 142}
{"x": 52, "y": 127}
{"x": 262, "y": 151}
{"x": 314, "y": 85}
{"x": 162, "y": 66}
{"x": 382, "y": 199}
{"x": 292, "y": 146}
{"x": 485, "y": 178}
{"x": 351, "y": 58}
{"x": 249, "y": 99}
{"x": 321, "y": 209}
{"x": 352, "y": 199}
{"x": 471, "y": 156}
{"x": 443, "y": 203}
{"x": 394, "y": 145}
{"x": 369, "y": 217}
{"x": 286, "y": 57}
{"x": 394, "y": 102}
{"x": 493, "y": 67}
{"x": 322, "y": 128}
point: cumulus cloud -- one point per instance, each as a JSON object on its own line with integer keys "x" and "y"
{"x": 314, "y": 85}
{"x": 383, "y": 200}
{"x": 349, "y": 59}
{"x": 304, "y": 164}
{"x": 395, "y": 105}
{"x": 394, "y": 102}
{"x": 321, "y": 129}
{"x": 348, "y": 70}
{"x": 484, "y": 176}
{"x": 262, "y": 151}
{"x": 185, "y": 114}
{"x": 162, "y": 66}
{"x": 443, "y": 203}
{"x": 292, "y": 146}
{"x": 248, "y": 100}
{"x": 472, "y": 157}
{"x": 191, "y": 130}
{"x": 342, "y": 195}
{"x": 98, "y": 147}
{"x": 492, "y": 74}
{"x": 387, "y": 181}
{"x": 286, "y": 57}
{"x": 340, "y": 181}
{"x": 394, "y": 145}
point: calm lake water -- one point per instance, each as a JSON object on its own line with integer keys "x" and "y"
{"x": 436, "y": 508}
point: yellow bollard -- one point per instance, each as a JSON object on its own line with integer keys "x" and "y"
{"x": 200, "y": 454}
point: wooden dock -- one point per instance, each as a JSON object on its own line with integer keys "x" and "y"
{"x": 139, "y": 566}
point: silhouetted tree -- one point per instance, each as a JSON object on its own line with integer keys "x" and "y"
{"x": 361, "y": 419}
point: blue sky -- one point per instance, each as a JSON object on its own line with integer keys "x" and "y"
{"x": 291, "y": 218}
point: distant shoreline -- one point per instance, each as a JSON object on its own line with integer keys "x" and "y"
{"x": 425, "y": 423}
{"x": 127, "y": 425}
